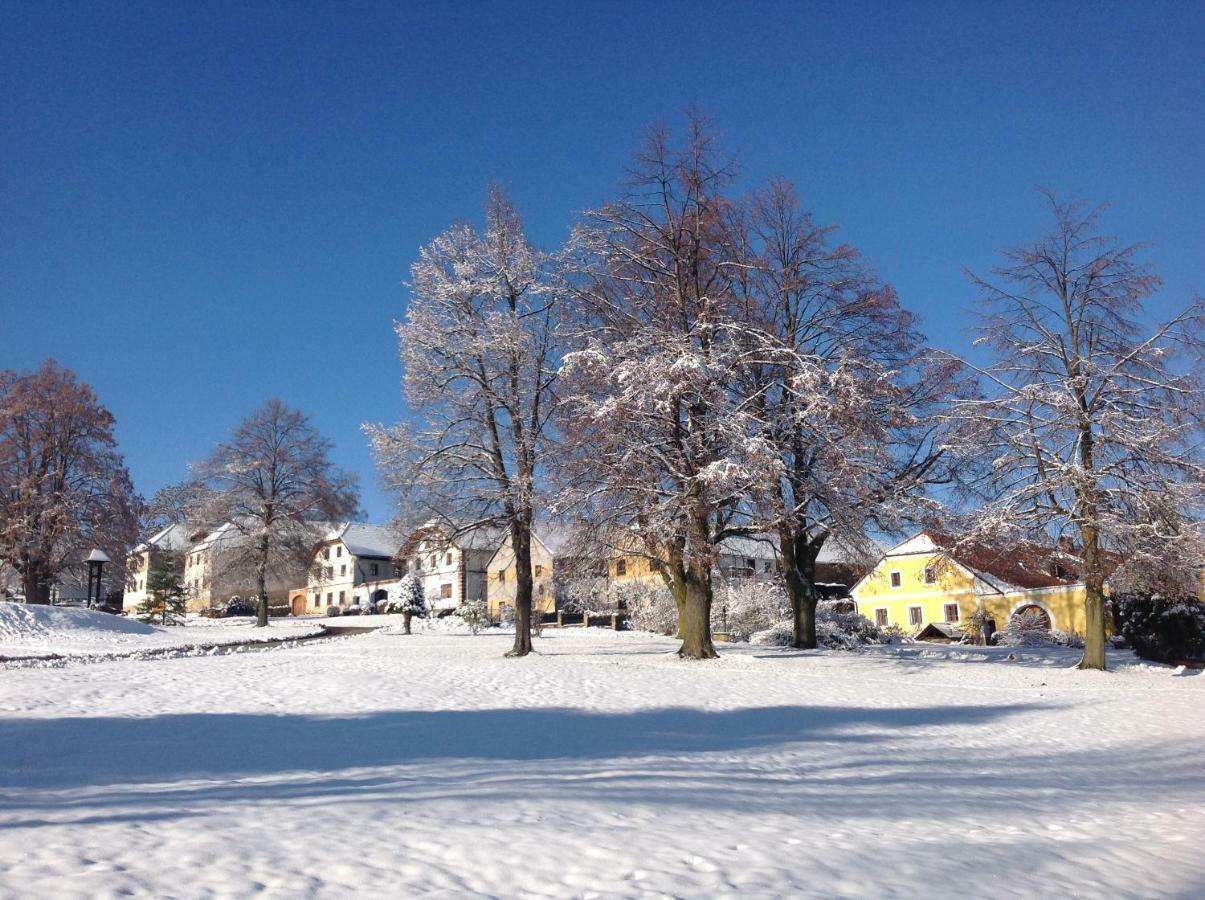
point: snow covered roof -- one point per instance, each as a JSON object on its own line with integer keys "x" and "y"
{"x": 364, "y": 539}
{"x": 760, "y": 546}
{"x": 1019, "y": 565}
{"x": 173, "y": 538}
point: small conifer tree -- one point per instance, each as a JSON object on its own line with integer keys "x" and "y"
{"x": 164, "y": 603}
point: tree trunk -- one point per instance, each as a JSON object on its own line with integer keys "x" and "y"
{"x": 1094, "y": 602}
{"x": 1094, "y": 575}
{"x": 799, "y": 577}
{"x": 520, "y": 541}
{"x": 406, "y": 617}
{"x": 37, "y": 587}
{"x": 693, "y": 596}
{"x": 261, "y": 618}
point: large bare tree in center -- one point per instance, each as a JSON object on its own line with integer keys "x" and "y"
{"x": 480, "y": 347}
{"x": 274, "y": 482}
{"x": 1091, "y": 422}
{"x": 658, "y": 455}
{"x": 842, "y": 392}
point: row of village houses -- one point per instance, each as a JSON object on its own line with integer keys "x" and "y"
{"x": 929, "y": 582}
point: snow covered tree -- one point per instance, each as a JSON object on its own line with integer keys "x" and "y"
{"x": 64, "y": 487}
{"x": 407, "y": 600}
{"x": 1090, "y": 426}
{"x": 840, "y": 390}
{"x": 164, "y": 603}
{"x": 480, "y": 348}
{"x": 274, "y": 482}
{"x": 658, "y": 454}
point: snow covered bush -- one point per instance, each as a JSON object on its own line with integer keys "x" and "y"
{"x": 1030, "y": 629}
{"x": 837, "y": 628}
{"x": 650, "y": 606}
{"x": 474, "y": 614}
{"x": 1161, "y": 629}
{"x": 743, "y": 607}
{"x": 333, "y": 611}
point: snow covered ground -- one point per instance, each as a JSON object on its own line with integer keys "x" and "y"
{"x": 49, "y": 631}
{"x": 382, "y": 765}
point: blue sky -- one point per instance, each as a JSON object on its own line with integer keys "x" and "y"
{"x": 204, "y": 205}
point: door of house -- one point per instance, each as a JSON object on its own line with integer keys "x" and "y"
{"x": 299, "y": 605}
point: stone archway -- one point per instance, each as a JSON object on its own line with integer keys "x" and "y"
{"x": 1036, "y": 614}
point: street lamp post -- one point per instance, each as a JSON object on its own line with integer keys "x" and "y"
{"x": 96, "y": 563}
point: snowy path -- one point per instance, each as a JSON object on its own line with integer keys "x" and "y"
{"x": 391, "y": 766}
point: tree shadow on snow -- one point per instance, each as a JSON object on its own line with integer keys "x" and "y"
{"x": 841, "y": 762}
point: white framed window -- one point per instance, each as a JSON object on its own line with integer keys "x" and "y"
{"x": 896, "y": 579}
{"x": 916, "y": 615}
{"x": 951, "y": 612}
{"x": 930, "y": 576}
{"x": 374, "y": 568}
{"x": 880, "y": 617}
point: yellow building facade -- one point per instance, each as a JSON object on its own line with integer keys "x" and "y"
{"x": 501, "y": 578}
{"x": 921, "y": 581}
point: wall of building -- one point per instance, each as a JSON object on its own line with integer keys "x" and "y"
{"x": 931, "y": 582}
{"x": 502, "y": 579}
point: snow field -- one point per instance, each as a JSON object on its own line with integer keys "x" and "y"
{"x": 47, "y": 631}
{"x": 391, "y": 766}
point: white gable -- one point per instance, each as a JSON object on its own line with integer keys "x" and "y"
{"x": 921, "y": 543}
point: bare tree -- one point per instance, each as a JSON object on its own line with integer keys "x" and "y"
{"x": 480, "y": 347}
{"x": 63, "y": 485}
{"x": 657, "y": 450}
{"x": 274, "y": 482}
{"x": 186, "y": 502}
{"x": 1091, "y": 424}
{"x": 841, "y": 390}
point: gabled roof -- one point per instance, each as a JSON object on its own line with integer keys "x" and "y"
{"x": 173, "y": 538}
{"x": 364, "y": 539}
{"x": 1019, "y": 565}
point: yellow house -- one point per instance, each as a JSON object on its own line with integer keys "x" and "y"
{"x": 501, "y": 585}
{"x": 931, "y": 578}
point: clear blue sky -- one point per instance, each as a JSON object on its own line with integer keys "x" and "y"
{"x": 204, "y": 205}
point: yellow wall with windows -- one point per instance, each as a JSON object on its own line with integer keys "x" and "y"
{"x": 501, "y": 583}
{"x": 951, "y": 583}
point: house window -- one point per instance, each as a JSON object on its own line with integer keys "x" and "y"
{"x": 502, "y": 576}
{"x": 539, "y": 571}
{"x": 374, "y": 569}
{"x": 751, "y": 565}
{"x": 339, "y": 550}
{"x": 445, "y": 591}
{"x": 317, "y": 599}
{"x": 915, "y": 615}
{"x": 330, "y": 599}
{"x": 621, "y": 567}
{"x": 342, "y": 594}
{"x": 418, "y": 563}
{"x": 930, "y": 576}
{"x": 330, "y": 572}
{"x": 433, "y": 563}
{"x": 403, "y": 567}
{"x": 448, "y": 559}
{"x": 951, "y": 611}
{"x": 880, "y": 618}
{"x": 895, "y": 579}
{"x": 327, "y": 553}
{"x": 343, "y": 570}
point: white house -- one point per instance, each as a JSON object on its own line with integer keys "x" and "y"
{"x": 353, "y": 565}
{"x": 453, "y": 570}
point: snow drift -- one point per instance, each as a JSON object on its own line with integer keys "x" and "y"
{"x": 20, "y": 621}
